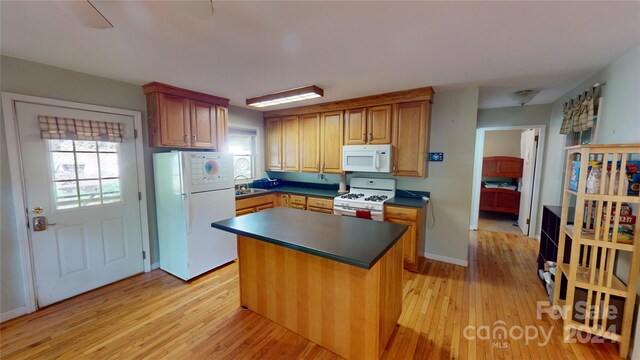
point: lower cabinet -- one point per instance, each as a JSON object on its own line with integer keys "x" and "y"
{"x": 415, "y": 219}
{"x": 254, "y": 204}
{"x": 319, "y": 204}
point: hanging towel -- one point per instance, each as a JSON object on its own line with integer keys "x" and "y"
{"x": 363, "y": 214}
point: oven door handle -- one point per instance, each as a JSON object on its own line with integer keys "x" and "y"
{"x": 352, "y": 213}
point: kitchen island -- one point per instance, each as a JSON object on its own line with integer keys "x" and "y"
{"x": 335, "y": 280}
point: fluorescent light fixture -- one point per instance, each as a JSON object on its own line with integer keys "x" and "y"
{"x": 287, "y": 96}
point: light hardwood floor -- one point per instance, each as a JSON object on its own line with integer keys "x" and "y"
{"x": 155, "y": 316}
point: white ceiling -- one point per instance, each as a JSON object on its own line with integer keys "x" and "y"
{"x": 349, "y": 49}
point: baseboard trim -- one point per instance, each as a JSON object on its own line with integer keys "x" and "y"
{"x": 8, "y": 315}
{"x": 155, "y": 265}
{"x": 446, "y": 259}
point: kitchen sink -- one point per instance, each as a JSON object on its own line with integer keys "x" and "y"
{"x": 249, "y": 191}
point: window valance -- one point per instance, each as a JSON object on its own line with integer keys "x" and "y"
{"x": 77, "y": 129}
{"x": 581, "y": 113}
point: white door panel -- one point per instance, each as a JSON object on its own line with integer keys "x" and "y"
{"x": 90, "y": 193}
{"x": 528, "y": 152}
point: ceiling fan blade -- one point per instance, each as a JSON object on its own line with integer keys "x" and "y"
{"x": 86, "y": 13}
{"x": 201, "y": 9}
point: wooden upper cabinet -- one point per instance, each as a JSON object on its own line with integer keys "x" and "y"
{"x": 331, "y": 135}
{"x": 180, "y": 118}
{"x": 379, "y": 125}
{"x": 273, "y": 156}
{"x": 290, "y": 144}
{"x": 222, "y": 126}
{"x": 174, "y": 125}
{"x": 410, "y": 138}
{"x": 310, "y": 142}
{"x": 355, "y": 126}
{"x": 203, "y": 125}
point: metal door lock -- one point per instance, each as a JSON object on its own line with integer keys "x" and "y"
{"x": 40, "y": 223}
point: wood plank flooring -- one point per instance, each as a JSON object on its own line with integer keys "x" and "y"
{"x": 156, "y": 316}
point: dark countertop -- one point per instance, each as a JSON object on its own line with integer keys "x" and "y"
{"x": 345, "y": 239}
{"x": 401, "y": 198}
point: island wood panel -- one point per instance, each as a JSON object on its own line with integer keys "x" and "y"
{"x": 346, "y": 309}
{"x": 203, "y": 125}
{"x": 222, "y": 124}
{"x": 355, "y": 126}
{"x": 274, "y": 143}
{"x": 379, "y": 124}
{"x": 290, "y": 143}
{"x": 310, "y": 142}
{"x": 331, "y": 140}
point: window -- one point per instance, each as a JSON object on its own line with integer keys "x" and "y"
{"x": 242, "y": 144}
{"x": 84, "y": 173}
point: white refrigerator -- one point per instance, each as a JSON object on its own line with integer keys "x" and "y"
{"x": 194, "y": 189}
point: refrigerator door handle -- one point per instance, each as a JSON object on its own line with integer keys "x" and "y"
{"x": 187, "y": 212}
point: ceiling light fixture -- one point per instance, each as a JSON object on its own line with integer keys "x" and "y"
{"x": 287, "y": 96}
{"x": 523, "y": 96}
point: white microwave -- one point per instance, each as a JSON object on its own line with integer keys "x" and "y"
{"x": 366, "y": 158}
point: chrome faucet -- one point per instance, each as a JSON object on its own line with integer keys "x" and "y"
{"x": 246, "y": 185}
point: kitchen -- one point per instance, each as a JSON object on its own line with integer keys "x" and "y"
{"x": 452, "y": 130}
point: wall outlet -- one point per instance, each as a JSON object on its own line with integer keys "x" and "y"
{"x": 436, "y": 156}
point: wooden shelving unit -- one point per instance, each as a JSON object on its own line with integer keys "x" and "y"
{"x": 594, "y": 251}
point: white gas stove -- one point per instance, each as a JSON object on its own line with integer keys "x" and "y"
{"x": 365, "y": 199}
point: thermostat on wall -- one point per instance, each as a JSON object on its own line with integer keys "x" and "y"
{"x": 436, "y": 156}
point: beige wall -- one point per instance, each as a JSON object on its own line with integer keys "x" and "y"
{"x": 502, "y": 143}
{"x": 29, "y": 78}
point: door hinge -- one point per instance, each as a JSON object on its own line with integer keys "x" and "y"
{"x": 26, "y": 210}
{"x": 528, "y": 221}
{"x": 536, "y": 138}
{"x": 135, "y": 133}
{"x": 144, "y": 255}
{"x": 139, "y": 196}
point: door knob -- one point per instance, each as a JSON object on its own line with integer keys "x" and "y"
{"x": 40, "y": 223}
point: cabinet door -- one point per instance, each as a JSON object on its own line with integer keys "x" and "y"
{"x": 203, "y": 125}
{"x": 290, "y": 148}
{"x": 222, "y": 125}
{"x": 379, "y": 124}
{"x": 245, "y": 211}
{"x": 410, "y": 243}
{"x": 355, "y": 127}
{"x": 175, "y": 125}
{"x": 310, "y": 142}
{"x": 320, "y": 210}
{"x": 331, "y": 135}
{"x": 273, "y": 137}
{"x": 410, "y": 132}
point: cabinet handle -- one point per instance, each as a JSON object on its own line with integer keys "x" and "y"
{"x": 186, "y": 138}
{"x": 394, "y": 168}
{"x": 370, "y": 137}
{"x": 194, "y": 138}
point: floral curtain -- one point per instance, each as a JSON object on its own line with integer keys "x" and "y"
{"x": 580, "y": 114}
{"x": 76, "y": 129}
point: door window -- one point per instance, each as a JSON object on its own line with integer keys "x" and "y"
{"x": 84, "y": 173}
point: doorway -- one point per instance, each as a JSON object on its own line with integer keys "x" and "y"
{"x": 506, "y": 179}
{"x": 80, "y": 197}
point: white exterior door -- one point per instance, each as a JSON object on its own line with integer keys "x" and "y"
{"x": 88, "y": 192}
{"x": 528, "y": 152}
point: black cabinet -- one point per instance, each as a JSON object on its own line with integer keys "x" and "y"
{"x": 549, "y": 241}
